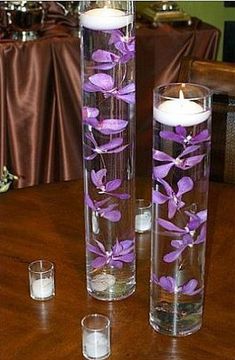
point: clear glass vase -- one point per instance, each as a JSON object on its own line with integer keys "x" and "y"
{"x": 181, "y": 152}
{"x": 108, "y": 78}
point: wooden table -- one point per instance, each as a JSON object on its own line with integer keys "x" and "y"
{"x": 47, "y": 222}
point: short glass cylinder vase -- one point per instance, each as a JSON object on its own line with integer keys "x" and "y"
{"x": 181, "y": 161}
{"x": 108, "y": 79}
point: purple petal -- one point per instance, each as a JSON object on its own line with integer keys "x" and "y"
{"x": 90, "y": 87}
{"x": 118, "y": 150}
{"x": 90, "y": 157}
{"x": 172, "y": 207}
{"x": 185, "y": 184}
{"x": 172, "y": 256}
{"x": 162, "y": 171}
{"x": 99, "y": 262}
{"x": 117, "y": 248}
{"x": 158, "y": 197}
{"x": 189, "y": 287}
{"x": 127, "y": 89}
{"x": 128, "y": 98}
{"x": 169, "y": 135}
{"x": 202, "y": 215}
{"x": 89, "y": 202}
{"x": 128, "y": 258}
{"x": 167, "y": 283}
{"x": 117, "y": 264}
{"x": 123, "y": 196}
{"x": 181, "y": 131}
{"x": 112, "y": 144}
{"x": 99, "y": 204}
{"x": 91, "y": 138}
{"x": 177, "y": 244}
{"x": 104, "y": 56}
{"x": 202, "y": 236}
{"x": 167, "y": 187}
{"x": 202, "y": 136}
{"x": 102, "y": 81}
{"x": 89, "y": 112}
{"x": 189, "y": 150}
{"x": 111, "y": 126}
{"x": 113, "y": 185}
{"x": 113, "y": 216}
{"x": 127, "y": 244}
{"x": 91, "y": 121}
{"x": 161, "y": 156}
{"x": 169, "y": 226}
{"x": 94, "y": 249}
{"x": 97, "y": 177}
{"x": 190, "y": 162}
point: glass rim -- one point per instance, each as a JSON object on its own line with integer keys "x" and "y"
{"x": 95, "y": 315}
{"x": 148, "y": 202}
{"x": 42, "y": 271}
{"x": 165, "y": 85}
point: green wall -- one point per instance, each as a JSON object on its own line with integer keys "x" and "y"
{"x": 212, "y": 12}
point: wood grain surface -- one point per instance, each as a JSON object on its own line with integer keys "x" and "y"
{"x": 47, "y": 222}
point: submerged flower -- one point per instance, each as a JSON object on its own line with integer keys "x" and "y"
{"x": 174, "y": 200}
{"x": 169, "y": 284}
{"x": 180, "y": 136}
{"x": 180, "y": 162}
{"x": 106, "y": 212}
{"x": 106, "y": 59}
{"x": 104, "y": 126}
{"x": 112, "y": 147}
{"x": 124, "y": 44}
{"x": 121, "y": 252}
{"x": 188, "y": 234}
{"x": 104, "y": 83}
{"x": 107, "y": 187}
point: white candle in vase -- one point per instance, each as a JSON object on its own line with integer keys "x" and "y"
{"x": 96, "y": 345}
{"x": 43, "y": 288}
{"x": 105, "y": 19}
{"x": 180, "y": 111}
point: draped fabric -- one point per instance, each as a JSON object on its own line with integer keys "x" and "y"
{"x": 40, "y": 95}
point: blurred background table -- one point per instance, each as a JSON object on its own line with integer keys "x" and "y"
{"x": 47, "y": 222}
{"x": 40, "y": 123}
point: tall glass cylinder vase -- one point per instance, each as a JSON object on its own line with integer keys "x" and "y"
{"x": 108, "y": 77}
{"x": 181, "y": 150}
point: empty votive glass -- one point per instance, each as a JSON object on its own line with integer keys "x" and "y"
{"x": 95, "y": 337}
{"x": 41, "y": 280}
{"x": 143, "y": 216}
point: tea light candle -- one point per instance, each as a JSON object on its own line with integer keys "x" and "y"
{"x": 42, "y": 288}
{"x": 180, "y": 112}
{"x": 96, "y": 345}
{"x": 143, "y": 222}
{"x": 105, "y": 19}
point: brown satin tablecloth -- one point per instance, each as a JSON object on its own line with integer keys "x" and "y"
{"x": 40, "y": 94}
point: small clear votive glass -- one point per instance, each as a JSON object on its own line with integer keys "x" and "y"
{"x": 143, "y": 216}
{"x": 41, "y": 280}
{"x": 96, "y": 337}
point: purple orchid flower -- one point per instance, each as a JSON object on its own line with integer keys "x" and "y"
{"x": 122, "y": 252}
{"x": 104, "y": 83}
{"x": 125, "y": 45}
{"x": 104, "y": 126}
{"x": 175, "y": 203}
{"x": 180, "y": 136}
{"x": 188, "y": 234}
{"x": 106, "y": 212}
{"x": 106, "y": 59}
{"x": 109, "y": 186}
{"x": 112, "y": 147}
{"x": 169, "y": 284}
{"x": 180, "y": 162}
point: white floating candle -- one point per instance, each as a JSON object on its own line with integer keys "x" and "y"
{"x": 96, "y": 345}
{"x": 42, "y": 288}
{"x": 180, "y": 112}
{"x": 105, "y": 19}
